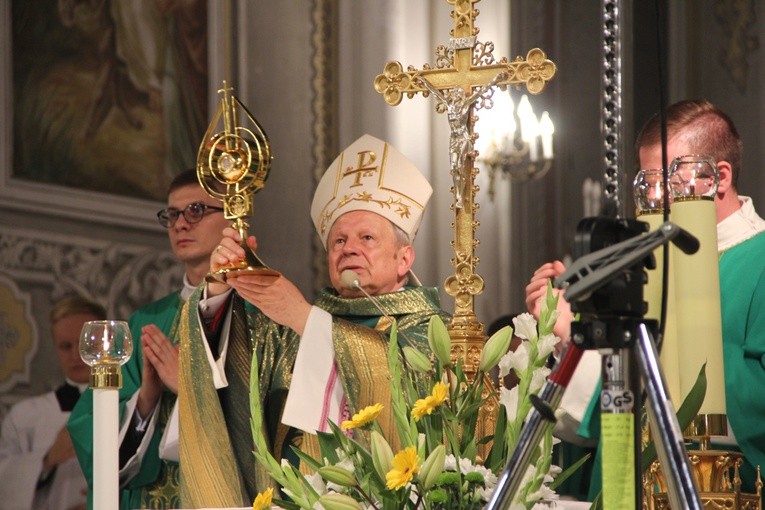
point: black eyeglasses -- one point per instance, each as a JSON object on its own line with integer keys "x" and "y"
{"x": 192, "y": 213}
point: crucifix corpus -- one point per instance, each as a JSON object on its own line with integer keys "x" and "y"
{"x": 462, "y": 81}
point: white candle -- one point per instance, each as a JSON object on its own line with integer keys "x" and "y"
{"x": 508, "y": 141}
{"x": 526, "y": 117}
{"x": 546, "y": 130}
{"x": 107, "y": 344}
{"x": 105, "y": 449}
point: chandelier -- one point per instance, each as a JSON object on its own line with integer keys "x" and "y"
{"x": 518, "y": 144}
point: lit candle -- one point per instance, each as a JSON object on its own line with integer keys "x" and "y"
{"x": 526, "y": 117}
{"x": 107, "y": 344}
{"x": 512, "y": 126}
{"x": 546, "y": 130}
{"x": 508, "y": 143}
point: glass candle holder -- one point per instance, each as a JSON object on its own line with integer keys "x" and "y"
{"x": 648, "y": 191}
{"x": 693, "y": 177}
{"x": 105, "y": 346}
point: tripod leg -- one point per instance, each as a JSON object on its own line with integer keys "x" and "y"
{"x": 682, "y": 490}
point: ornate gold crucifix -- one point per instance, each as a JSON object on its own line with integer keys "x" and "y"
{"x": 462, "y": 81}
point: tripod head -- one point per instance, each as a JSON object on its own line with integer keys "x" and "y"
{"x": 605, "y": 286}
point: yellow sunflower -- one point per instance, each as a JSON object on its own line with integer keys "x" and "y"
{"x": 363, "y": 417}
{"x": 263, "y": 500}
{"x": 426, "y": 405}
{"x": 406, "y": 464}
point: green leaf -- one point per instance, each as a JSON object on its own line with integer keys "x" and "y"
{"x": 494, "y": 348}
{"x": 597, "y": 503}
{"x": 417, "y": 360}
{"x": 407, "y": 430}
{"x": 338, "y": 475}
{"x": 312, "y": 463}
{"x": 566, "y": 473}
{"x": 439, "y": 340}
{"x": 334, "y": 501}
{"x": 496, "y": 458}
{"x": 285, "y": 504}
{"x": 432, "y": 467}
{"x": 328, "y": 446}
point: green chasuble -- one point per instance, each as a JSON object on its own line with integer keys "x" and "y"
{"x": 156, "y": 483}
{"x": 361, "y": 353}
{"x": 742, "y": 294}
{"x": 213, "y": 473}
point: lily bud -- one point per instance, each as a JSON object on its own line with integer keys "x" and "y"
{"x": 416, "y": 359}
{"x": 338, "y": 475}
{"x": 432, "y": 467}
{"x": 382, "y": 454}
{"x": 336, "y": 501}
{"x": 495, "y": 348}
{"x": 439, "y": 340}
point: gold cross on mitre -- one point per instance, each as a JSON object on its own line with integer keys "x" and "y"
{"x": 462, "y": 80}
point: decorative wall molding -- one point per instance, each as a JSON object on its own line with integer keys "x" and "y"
{"x": 18, "y": 334}
{"x": 122, "y": 277}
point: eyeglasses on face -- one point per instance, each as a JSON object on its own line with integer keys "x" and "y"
{"x": 192, "y": 213}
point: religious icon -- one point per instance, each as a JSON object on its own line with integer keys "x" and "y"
{"x": 457, "y": 106}
{"x": 233, "y": 165}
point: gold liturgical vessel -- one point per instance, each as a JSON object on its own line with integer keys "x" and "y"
{"x": 233, "y": 165}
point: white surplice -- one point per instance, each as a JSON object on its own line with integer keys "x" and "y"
{"x": 28, "y": 432}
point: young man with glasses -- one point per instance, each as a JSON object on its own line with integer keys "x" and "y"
{"x": 148, "y": 459}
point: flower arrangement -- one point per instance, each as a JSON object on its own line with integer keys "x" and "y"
{"x": 436, "y": 408}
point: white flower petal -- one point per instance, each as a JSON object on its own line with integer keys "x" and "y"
{"x": 538, "y": 379}
{"x": 509, "y": 399}
{"x": 546, "y": 345}
{"x": 517, "y": 360}
{"x": 525, "y": 326}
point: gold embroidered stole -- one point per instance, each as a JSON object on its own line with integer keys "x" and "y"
{"x": 209, "y": 471}
{"x": 214, "y": 454}
{"x": 235, "y": 397}
{"x": 360, "y": 336}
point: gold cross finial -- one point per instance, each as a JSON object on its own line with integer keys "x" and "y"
{"x": 462, "y": 80}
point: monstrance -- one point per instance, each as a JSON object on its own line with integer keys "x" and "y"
{"x": 233, "y": 165}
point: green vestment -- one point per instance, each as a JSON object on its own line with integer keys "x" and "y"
{"x": 742, "y": 295}
{"x": 156, "y": 483}
{"x": 212, "y": 474}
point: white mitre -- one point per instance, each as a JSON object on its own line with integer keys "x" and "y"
{"x": 371, "y": 175}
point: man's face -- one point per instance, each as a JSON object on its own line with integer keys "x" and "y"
{"x": 193, "y": 243}
{"x": 66, "y": 340}
{"x": 365, "y": 243}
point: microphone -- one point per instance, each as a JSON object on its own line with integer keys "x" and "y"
{"x": 350, "y": 280}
